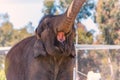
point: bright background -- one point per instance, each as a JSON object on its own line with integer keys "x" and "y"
{"x": 22, "y": 11}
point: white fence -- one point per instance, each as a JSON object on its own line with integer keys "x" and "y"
{"x": 4, "y": 50}
{"x": 91, "y": 47}
{"x": 78, "y": 47}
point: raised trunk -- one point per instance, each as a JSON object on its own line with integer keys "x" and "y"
{"x": 70, "y": 15}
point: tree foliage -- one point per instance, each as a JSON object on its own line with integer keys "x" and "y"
{"x": 2, "y": 75}
{"x": 10, "y": 36}
{"x": 108, "y": 18}
{"x": 84, "y": 37}
{"x": 5, "y": 33}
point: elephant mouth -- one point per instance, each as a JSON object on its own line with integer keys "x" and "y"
{"x": 61, "y": 36}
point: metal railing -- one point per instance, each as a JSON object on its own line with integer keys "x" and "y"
{"x": 89, "y": 47}
{"x": 4, "y": 50}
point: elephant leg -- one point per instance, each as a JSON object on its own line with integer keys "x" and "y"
{"x": 66, "y": 70}
{"x": 41, "y": 69}
{"x": 41, "y": 76}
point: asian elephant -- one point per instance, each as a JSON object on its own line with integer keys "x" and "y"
{"x": 49, "y": 54}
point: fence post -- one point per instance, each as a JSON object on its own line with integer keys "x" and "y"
{"x": 74, "y": 73}
{"x": 76, "y": 65}
{"x": 110, "y": 65}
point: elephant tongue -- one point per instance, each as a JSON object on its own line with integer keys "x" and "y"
{"x": 61, "y": 37}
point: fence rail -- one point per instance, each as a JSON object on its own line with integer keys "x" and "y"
{"x": 79, "y": 47}
{"x": 4, "y": 50}
{"x": 94, "y": 47}
{"x": 90, "y": 47}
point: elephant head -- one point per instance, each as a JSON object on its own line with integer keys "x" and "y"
{"x": 63, "y": 22}
{"x": 54, "y": 29}
{"x": 67, "y": 19}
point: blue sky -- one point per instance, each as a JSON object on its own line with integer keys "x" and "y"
{"x": 22, "y": 11}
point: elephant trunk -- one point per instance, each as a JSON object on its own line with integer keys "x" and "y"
{"x": 70, "y": 15}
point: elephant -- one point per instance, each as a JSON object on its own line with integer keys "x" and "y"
{"x": 50, "y": 41}
{"x": 50, "y": 53}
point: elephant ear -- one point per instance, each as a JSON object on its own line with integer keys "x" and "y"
{"x": 39, "y": 49}
{"x": 38, "y": 33}
{"x": 71, "y": 47}
{"x": 73, "y": 54}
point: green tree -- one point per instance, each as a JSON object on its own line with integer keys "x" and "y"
{"x": 108, "y": 18}
{"x": 10, "y": 36}
{"x": 18, "y": 35}
{"x": 5, "y": 34}
{"x": 2, "y": 75}
{"x": 49, "y": 4}
{"x": 84, "y": 37}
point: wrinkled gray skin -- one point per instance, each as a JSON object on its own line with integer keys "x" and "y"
{"x": 24, "y": 62}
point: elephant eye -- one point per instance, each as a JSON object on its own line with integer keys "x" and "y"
{"x": 68, "y": 33}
